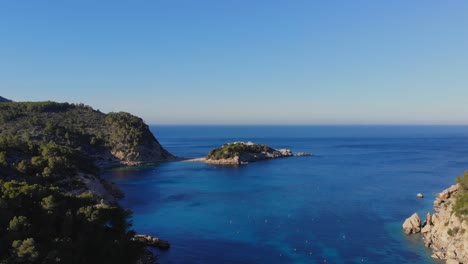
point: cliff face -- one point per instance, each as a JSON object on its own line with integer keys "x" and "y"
{"x": 445, "y": 232}
{"x": 148, "y": 151}
{"x": 131, "y": 141}
{"x": 110, "y": 139}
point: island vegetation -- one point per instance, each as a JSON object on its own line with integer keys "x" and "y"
{"x": 237, "y": 153}
{"x": 48, "y": 213}
{"x": 231, "y": 150}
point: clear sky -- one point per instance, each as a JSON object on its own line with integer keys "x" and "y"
{"x": 242, "y": 61}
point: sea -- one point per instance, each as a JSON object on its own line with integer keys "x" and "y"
{"x": 346, "y": 204}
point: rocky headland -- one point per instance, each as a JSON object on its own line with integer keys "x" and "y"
{"x": 111, "y": 139}
{"x": 445, "y": 231}
{"x": 51, "y": 158}
{"x": 237, "y": 153}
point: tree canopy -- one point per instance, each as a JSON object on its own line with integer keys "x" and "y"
{"x": 46, "y": 214}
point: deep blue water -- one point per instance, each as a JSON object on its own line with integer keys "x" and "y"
{"x": 345, "y": 205}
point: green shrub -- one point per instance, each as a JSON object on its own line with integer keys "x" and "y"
{"x": 453, "y": 232}
{"x": 463, "y": 181}
{"x": 460, "y": 206}
{"x": 450, "y": 232}
{"x": 25, "y": 250}
{"x": 19, "y": 223}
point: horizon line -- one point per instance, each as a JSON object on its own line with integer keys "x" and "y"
{"x": 273, "y": 124}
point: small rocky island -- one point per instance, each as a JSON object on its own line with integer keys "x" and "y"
{"x": 237, "y": 153}
{"x": 446, "y": 231}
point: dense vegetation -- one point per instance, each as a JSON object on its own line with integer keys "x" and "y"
{"x": 461, "y": 205}
{"x": 42, "y": 224}
{"x": 231, "y": 150}
{"x": 74, "y": 125}
{"x": 46, "y": 215}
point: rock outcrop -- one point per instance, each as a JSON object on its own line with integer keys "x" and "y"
{"x": 152, "y": 241}
{"x": 106, "y": 190}
{"x": 412, "y": 224}
{"x": 237, "y": 153}
{"x": 149, "y": 150}
{"x": 444, "y": 231}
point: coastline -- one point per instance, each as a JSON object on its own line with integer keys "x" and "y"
{"x": 179, "y": 186}
{"x": 443, "y": 232}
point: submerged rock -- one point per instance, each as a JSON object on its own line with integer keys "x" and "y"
{"x": 303, "y": 154}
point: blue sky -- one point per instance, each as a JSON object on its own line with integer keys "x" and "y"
{"x": 242, "y": 61}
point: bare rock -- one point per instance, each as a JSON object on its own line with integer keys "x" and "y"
{"x": 429, "y": 219}
{"x": 285, "y": 152}
{"x": 412, "y": 224}
{"x": 303, "y": 154}
{"x": 448, "y": 192}
{"x": 438, "y": 255}
{"x": 152, "y": 241}
{"x": 426, "y": 229}
{"x": 451, "y": 252}
{"x": 445, "y": 232}
{"x": 453, "y": 188}
{"x": 98, "y": 186}
{"x": 420, "y": 195}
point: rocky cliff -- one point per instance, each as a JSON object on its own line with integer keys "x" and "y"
{"x": 131, "y": 141}
{"x": 444, "y": 231}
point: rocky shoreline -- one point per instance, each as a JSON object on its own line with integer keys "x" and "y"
{"x": 152, "y": 241}
{"x": 444, "y": 232}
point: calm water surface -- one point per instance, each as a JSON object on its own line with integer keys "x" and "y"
{"x": 344, "y": 205}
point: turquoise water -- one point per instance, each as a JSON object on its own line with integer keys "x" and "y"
{"x": 345, "y": 205}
